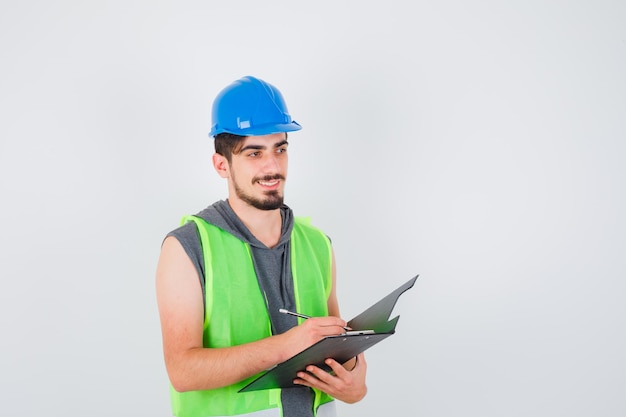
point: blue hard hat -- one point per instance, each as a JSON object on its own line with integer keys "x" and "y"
{"x": 251, "y": 107}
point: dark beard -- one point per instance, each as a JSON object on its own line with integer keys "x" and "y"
{"x": 272, "y": 201}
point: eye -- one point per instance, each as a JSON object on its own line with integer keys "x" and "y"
{"x": 254, "y": 154}
{"x": 282, "y": 149}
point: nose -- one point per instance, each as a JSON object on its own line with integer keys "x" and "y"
{"x": 271, "y": 165}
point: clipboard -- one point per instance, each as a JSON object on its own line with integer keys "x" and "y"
{"x": 341, "y": 348}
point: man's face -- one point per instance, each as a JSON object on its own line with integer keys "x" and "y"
{"x": 259, "y": 170}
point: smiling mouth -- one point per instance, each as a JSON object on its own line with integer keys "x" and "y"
{"x": 270, "y": 181}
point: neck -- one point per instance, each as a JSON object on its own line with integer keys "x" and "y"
{"x": 265, "y": 225}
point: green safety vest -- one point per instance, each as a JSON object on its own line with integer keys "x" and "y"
{"x": 236, "y": 311}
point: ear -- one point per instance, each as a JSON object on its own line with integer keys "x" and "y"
{"x": 220, "y": 163}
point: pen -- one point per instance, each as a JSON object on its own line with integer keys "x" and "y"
{"x": 282, "y": 310}
{"x": 304, "y": 316}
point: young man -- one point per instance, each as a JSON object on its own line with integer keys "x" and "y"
{"x": 223, "y": 276}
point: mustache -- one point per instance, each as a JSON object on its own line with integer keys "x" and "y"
{"x": 268, "y": 178}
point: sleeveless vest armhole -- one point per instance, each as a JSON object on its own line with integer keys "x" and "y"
{"x": 206, "y": 251}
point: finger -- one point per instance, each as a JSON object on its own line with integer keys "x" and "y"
{"x": 310, "y": 378}
{"x": 319, "y": 374}
{"x": 337, "y": 368}
{"x": 332, "y": 330}
{"x": 332, "y": 321}
{"x": 327, "y": 325}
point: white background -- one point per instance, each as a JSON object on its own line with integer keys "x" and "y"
{"x": 480, "y": 144}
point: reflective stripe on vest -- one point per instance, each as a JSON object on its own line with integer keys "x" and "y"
{"x": 236, "y": 313}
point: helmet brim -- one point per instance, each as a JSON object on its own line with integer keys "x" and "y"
{"x": 258, "y": 130}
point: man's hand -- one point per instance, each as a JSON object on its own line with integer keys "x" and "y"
{"x": 347, "y": 386}
{"x": 311, "y": 331}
